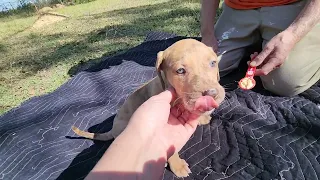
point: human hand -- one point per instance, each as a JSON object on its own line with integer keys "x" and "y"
{"x": 156, "y": 121}
{"x": 210, "y": 41}
{"x": 274, "y": 53}
{"x": 154, "y": 133}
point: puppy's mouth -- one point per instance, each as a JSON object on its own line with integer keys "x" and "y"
{"x": 205, "y": 103}
{"x": 202, "y": 104}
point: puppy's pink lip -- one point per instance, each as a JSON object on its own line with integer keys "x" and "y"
{"x": 205, "y": 103}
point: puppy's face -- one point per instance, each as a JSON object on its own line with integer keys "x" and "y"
{"x": 192, "y": 69}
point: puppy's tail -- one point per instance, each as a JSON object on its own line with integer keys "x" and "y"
{"x": 95, "y": 136}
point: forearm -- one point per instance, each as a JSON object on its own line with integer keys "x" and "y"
{"x": 207, "y": 16}
{"x": 306, "y": 20}
{"x": 128, "y": 158}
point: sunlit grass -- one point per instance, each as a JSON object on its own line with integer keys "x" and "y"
{"x": 37, "y": 61}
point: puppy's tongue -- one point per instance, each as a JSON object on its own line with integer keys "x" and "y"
{"x": 205, "y": 103}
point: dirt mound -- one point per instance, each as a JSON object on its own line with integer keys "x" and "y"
{"x": 45, "y": 10}
{"x": 58, "y": 6}
{"x": 47, "y": 19}
{"x": 47, "y": 16}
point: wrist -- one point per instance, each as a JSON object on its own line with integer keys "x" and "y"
{"x": 151, "y": 157}
{"x": 293, "y": 34}
{"x": 207, "y": 33}
{"x": 127, "y": 154}
{"x": 143, "y": 135}
{"x": 152, "y": 144}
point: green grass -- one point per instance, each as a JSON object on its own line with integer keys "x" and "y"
{"x": 37, "y": 61}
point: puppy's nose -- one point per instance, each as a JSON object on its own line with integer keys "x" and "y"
{"x": 211, "y": 92}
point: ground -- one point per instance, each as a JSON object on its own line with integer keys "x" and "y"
{"x": 37, "y": 59}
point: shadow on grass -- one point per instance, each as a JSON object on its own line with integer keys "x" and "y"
{"x": 153, "y": 17}
{"x": 49, "y": 52}
{"x": 159, "y": 17}
{"x": 170, "y": 17}
{"x": 3, "y": 48}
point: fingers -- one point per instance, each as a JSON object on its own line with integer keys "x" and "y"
{"x": 188, "y": 120}
{"x": 258, "y": 60}
{"x": 252, "y": 56}
{"x": 211, "y": 42}
{"x": 185, "y": 118}
{"x": 268, "y": 67}
{"x": 191, "y": 126}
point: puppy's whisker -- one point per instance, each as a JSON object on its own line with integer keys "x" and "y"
{"x": 188, "y": 93}
{"x": 188, "y": 102}
{"x": 192, "y": 94}
{"x": 225, "y": 86}
{"x": 228, "y": 88}
{"x": 178, "y": 110}
{"x": 176, "y": 101}
{"x": 228, "y": 84}
{"x": 185, "y": 92}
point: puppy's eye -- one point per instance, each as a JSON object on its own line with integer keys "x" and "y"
{"x": 181, "y": 71}
{"x": 212, "y": 63}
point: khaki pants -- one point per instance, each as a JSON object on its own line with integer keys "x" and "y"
{"x": 237, "y": 29}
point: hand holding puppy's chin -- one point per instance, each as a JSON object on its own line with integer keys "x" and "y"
{"x": 156, "y": 121}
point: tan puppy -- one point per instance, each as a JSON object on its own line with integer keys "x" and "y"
{"x": 191, "y": 68}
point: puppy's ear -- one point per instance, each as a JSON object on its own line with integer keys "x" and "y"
{"x": 159, "y": 60}
{"x": 158, "y": 68}
{"x": 218, "y": 60}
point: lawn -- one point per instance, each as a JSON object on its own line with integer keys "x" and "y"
{"x": 36, "y": 61}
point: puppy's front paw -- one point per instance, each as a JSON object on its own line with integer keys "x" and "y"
{"x": 203, "y": 120}
{"x": 180, "y": 168}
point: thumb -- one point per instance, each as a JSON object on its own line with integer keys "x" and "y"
{"x": 167, "y": 95}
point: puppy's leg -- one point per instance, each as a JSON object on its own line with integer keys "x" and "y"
{"x": 95, "y": 136}
{"x": 179, "y": 166}
{"x": 204, "y": 119}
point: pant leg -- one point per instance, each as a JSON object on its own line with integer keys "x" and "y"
{"x": 301, "y": 70}
{"x": 235, "y": 30}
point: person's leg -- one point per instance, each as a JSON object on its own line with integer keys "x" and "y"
{"x": 235, "y": 30}
{"x": 301, "y": 70}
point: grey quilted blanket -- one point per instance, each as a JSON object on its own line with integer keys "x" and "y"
{"x": 253, "y": 135}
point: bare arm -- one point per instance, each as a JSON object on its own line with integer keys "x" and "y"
{"x": 207, "y": 16}
{"x": 129, "y": 158}
{"x": 207, "y": 21}
{"x": 278, "y": 48}
{"x": 306, "y": 20}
